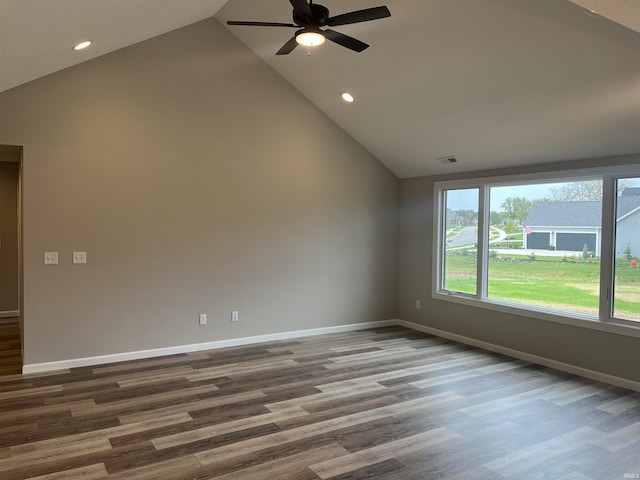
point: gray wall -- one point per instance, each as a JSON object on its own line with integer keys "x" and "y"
{"x": 197, "y": 180}
{"x": 8, "y": 235}
{"x": 604, "y": 352}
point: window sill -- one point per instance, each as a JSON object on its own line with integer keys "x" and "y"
{"x": 615, "y": 326}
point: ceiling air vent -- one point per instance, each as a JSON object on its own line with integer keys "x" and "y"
{"x": 447, "y": 159}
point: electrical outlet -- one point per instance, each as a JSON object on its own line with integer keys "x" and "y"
{"x": 51, "y": 258}
{"x": 418, "y": 305}
{"x": 203, "y": 319}
{"x": 235, "y": 316}
{"x": 79, "y": 257}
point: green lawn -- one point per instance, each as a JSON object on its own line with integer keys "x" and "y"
{"x": 548, "y": 281}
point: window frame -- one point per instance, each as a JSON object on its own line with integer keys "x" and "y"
{"x": 478, "y": 240}
{"x": 604, "y": 321}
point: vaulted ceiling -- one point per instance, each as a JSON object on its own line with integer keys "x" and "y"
{"x": 494, "y": 83}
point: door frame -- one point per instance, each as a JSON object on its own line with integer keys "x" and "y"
{"x": 17, "y": 313}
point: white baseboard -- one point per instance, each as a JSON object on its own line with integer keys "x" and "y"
{"x": 9, "y": 314}
{"x": 234, "y": 342}
{"x": 547, "y": 362}
{"x": 197, "y": 347}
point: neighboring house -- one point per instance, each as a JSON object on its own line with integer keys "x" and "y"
{"x": 454, "y": 219}
{"x": 564, "y": 225}
{"x": 628, "y": 222}
{"x": 569, "y": 226}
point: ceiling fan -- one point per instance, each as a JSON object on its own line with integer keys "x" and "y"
{"x": 309, "y": 17}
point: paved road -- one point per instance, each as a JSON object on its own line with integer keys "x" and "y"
{"x": 466, "y": 236}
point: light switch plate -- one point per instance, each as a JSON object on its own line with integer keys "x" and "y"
{"x": 50, "y": 258}
{"x": 79, "y": 257}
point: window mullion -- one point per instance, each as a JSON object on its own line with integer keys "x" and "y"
{"x": 483, "y": 242}
{"x": 440, "y": 240}
{"x": 607, "y": 255}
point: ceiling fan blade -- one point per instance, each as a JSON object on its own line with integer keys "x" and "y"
{"x": 358, "y": 16}
{"x": 301, "y": 8}
{"x": 288, "y": 47}
{"x": 345, "y": 40}
{"x": 262, "y": 24}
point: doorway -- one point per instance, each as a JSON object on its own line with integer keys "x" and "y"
{"x": 10, "y": 261}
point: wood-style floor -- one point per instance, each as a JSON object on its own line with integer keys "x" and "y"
{"x": 10, "y": 349}
{"x": 386, "y": 403}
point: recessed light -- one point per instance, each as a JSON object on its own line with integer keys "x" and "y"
{"x": 347, "y": 97}
{"x": 82, "y": 45}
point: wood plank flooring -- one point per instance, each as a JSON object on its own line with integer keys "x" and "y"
{"x": 386, "y": 403}
{"x": 10, "y": 349}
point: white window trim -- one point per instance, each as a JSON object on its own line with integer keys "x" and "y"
{"x": 604, "y": 322}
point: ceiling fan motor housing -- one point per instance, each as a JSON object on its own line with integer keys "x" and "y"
{"x": 319, "y": 13}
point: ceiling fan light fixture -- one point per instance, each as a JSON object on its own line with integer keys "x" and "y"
{"x": 310, "y": 38}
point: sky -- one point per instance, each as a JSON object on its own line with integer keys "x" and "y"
{"x": 530, "y": 192}
{"x": 468, "y": 199}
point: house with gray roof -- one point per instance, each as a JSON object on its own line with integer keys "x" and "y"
{"x": 628, "y": 223}
{"x": 569, "y": 226}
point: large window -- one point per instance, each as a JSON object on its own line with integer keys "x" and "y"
{"x": 560, "y": 247}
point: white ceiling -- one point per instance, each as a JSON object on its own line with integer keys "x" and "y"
{"x": 496, "y": 83}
